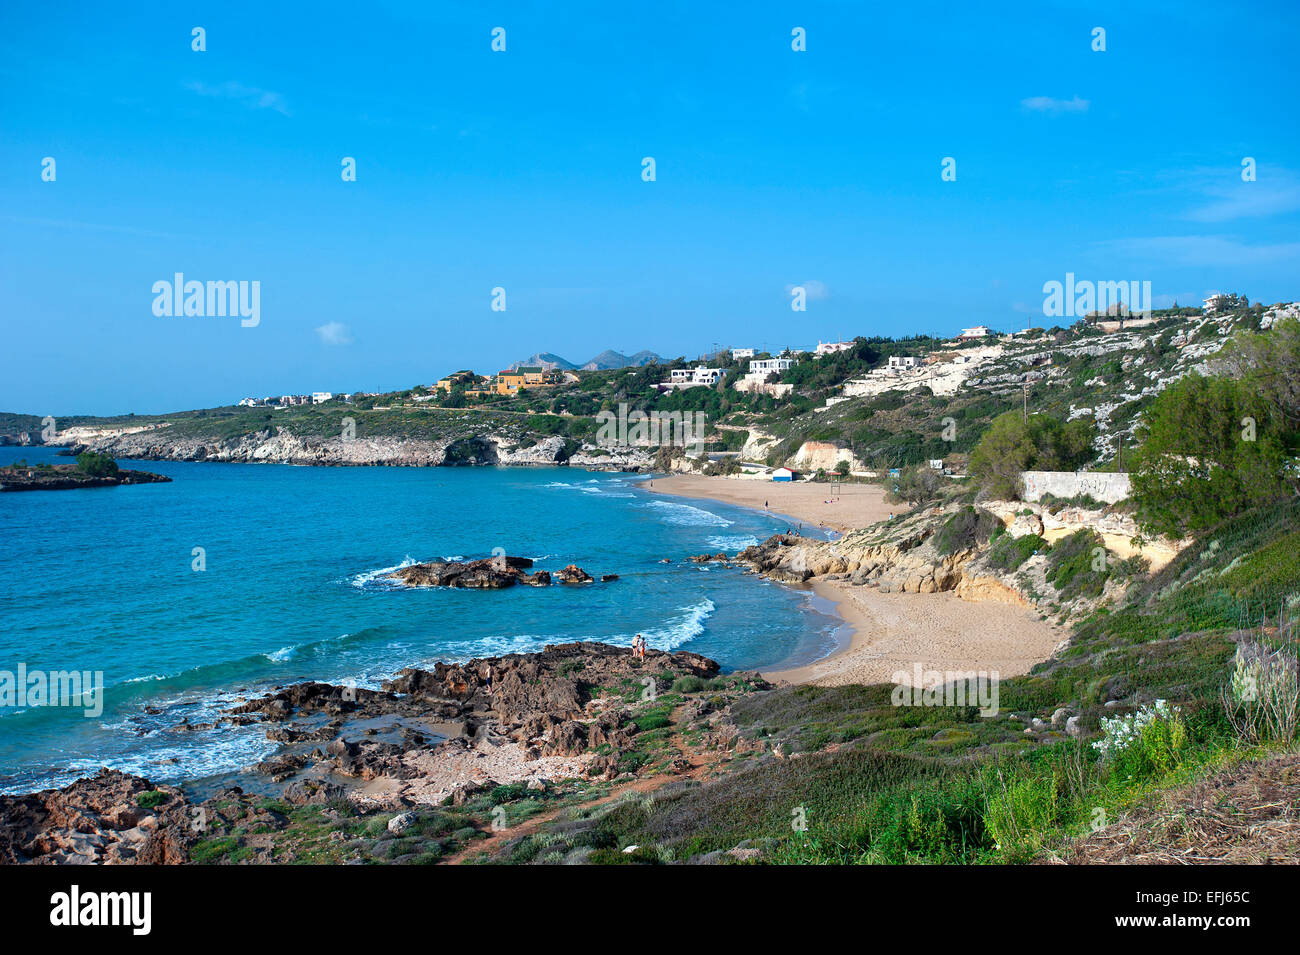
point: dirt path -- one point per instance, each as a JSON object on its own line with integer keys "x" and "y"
{"x": 498, "y": 838}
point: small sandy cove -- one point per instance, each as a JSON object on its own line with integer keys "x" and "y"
{"x": 856, "y": 505}
{"x": 891, "y": 633}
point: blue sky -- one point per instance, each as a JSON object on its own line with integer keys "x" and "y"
{"x": 522, "y": 170}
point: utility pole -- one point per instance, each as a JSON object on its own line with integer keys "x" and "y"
{"x": 1026, "y": 394}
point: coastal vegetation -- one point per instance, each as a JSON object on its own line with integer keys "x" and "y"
{"x": 95, "y": 464}
{"x": 1015, "y": 443}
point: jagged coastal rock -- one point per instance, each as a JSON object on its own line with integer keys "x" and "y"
{"x": 277, "y": 445}
{"x": 449, "y": 733}
{"x": 110, "y": 818}
{"x": 573, "y": 574}
{"x": 488, "y": 573}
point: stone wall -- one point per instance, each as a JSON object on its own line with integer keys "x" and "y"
{"x": 1107, "y": 486}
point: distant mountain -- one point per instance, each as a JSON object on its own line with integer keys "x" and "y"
{"x": 603, "y": 362}
{"x": 545, "y": 360}
{"x": 644, "y": 357}
{"x": 611, "y": 359}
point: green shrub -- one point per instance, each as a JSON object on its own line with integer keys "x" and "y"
{"x": 968, "y": 527}
{"x": 1073, "y": 562}
{"x": 1008, "y": 553}
{"x": 95, "y": 464}
{"x": 652, "y": 721}
{"x": 211, "y": 850}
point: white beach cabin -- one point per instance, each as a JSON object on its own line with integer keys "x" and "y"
{"x": 782, "y": 474}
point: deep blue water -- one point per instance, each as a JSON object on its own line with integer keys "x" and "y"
{"x": 102, "y": 580}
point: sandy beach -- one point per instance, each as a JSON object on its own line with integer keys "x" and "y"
{"x": 856, "y": 506}
{"x": 891, "y": 633}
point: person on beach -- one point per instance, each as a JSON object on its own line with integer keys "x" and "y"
{"x": 638, "y": 647}
{"x": 487, "y": 676}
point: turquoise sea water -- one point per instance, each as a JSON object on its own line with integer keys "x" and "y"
{"x": 103, "y": 580}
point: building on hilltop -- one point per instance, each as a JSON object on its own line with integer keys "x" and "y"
{"x": 762, "y": 367}
{"x": 830, "y": 348}
{"x": 699, "y": 376}
{"x": 464, "y": 378}
{"x": 509, "y": 381}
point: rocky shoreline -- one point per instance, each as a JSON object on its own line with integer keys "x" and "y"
{"x": 429, "y": 738}
{"x": 70, "y": 479}
{"x": 276, "y": 445}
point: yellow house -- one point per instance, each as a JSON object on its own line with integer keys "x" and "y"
{"x": 464, "y": 377}
{"x": 509, "y": 382}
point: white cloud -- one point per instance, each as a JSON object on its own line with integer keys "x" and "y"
{"x": 1201, "y": 250}
{"x": 250, "y": 96}
{"x": 334, "y": 333}
{"x": 1046, "y": 104}
{"x": 1234, "y": 199}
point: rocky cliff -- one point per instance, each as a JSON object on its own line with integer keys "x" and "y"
{"x": 903, "y": 556}
{"x": 279, "y": 446}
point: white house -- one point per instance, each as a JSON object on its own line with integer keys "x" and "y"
{"x": 1215, "y": 302}
{"x": 979, "y": 331}
{"x": 903, "y": 362}
{"x": 691, "y": 377}
{"x": 739, "y": 353}
{"x": 782, "y": 474}
{"x": 762, "y": 367}
{"x": 320, "y": 397}
{"x": 830, "y": 348}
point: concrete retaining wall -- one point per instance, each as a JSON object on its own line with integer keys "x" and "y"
{"x": 1105, "y": 486}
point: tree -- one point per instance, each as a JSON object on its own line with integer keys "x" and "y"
{"x": 1208, "y": 448}
{"x": 95, "y": 464}
{"x": 1012, "y": 445}
{"x": 917, "y": 486}
{"x": 1269, "y": 364}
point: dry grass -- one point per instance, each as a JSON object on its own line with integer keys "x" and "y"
{"x": 1248, "y": 814}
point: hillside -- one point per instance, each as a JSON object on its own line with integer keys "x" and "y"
{"x": 849, "y": 400}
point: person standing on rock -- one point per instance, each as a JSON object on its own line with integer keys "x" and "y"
{"x": 487, "y": 677}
